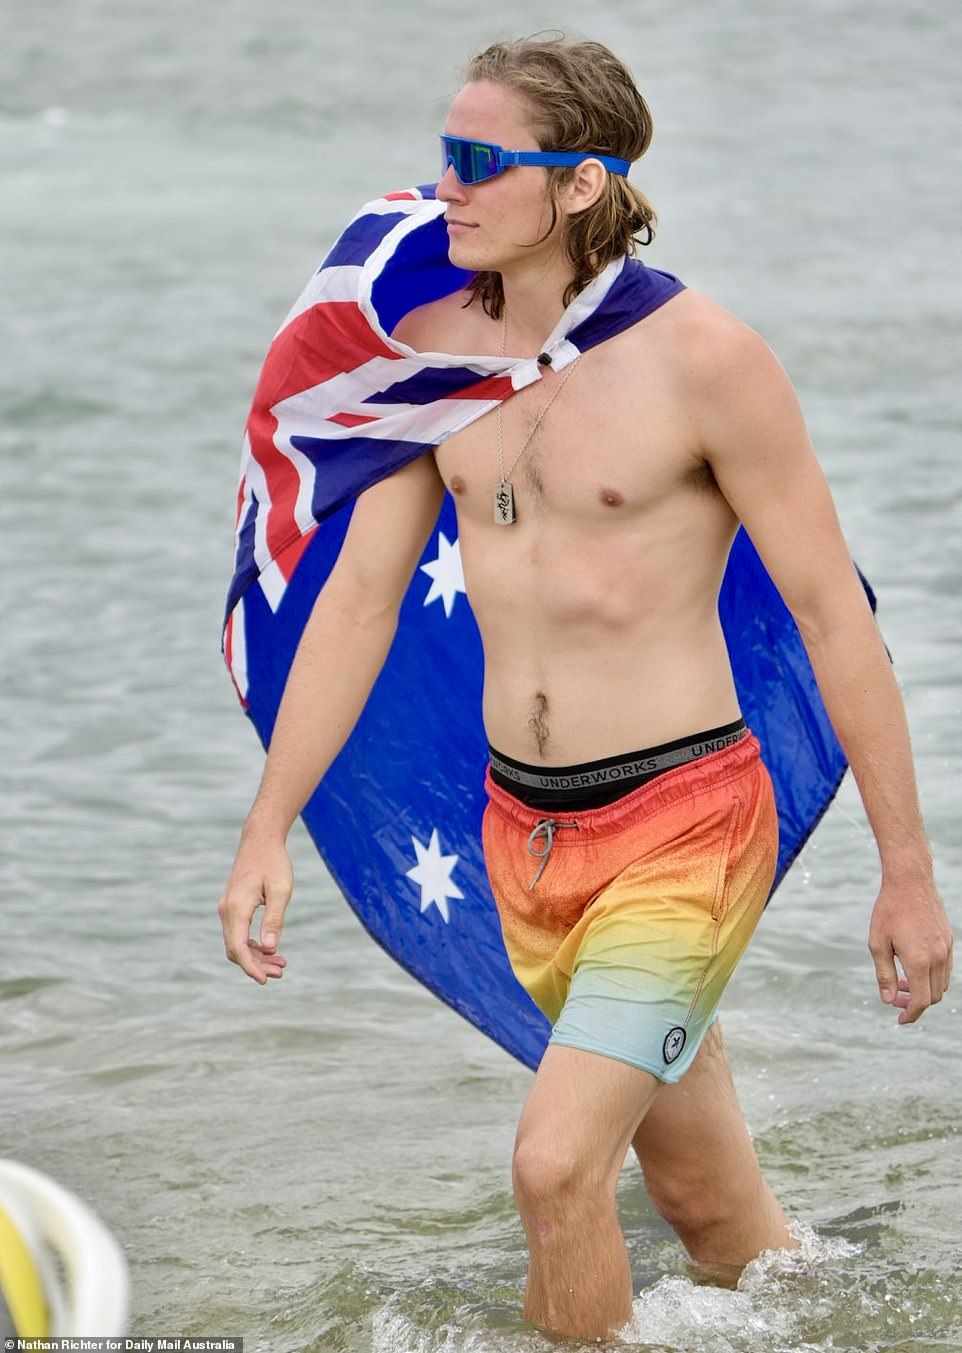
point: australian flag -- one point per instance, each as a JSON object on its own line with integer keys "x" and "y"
{"x": 339, "y": 406}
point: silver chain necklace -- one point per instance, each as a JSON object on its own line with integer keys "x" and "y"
{"x": 504, "y": 510}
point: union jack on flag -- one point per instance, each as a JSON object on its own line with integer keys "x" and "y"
{"x": 340, "y": 405}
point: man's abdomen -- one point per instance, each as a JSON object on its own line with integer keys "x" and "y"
{"x": 573, "y": 694}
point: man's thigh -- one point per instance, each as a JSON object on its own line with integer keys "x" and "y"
{"x": 695, "y": 1132}
{"x": 582, "y": 1112}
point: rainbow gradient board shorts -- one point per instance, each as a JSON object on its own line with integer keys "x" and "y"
{"x": 624, "y": 923}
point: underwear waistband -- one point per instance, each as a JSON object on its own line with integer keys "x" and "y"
{"x": 632, "y": 767}
{"x": 631, "y": 801}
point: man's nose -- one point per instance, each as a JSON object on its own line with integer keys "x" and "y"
{"x": 450, "y": 188}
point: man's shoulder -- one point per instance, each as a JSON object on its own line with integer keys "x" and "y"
{"x": 449, "y": 324}
{"x": 707, "y": 341}
{"x": 693, "y": 318}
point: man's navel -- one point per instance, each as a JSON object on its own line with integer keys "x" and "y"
{"x": 538, "y": 723}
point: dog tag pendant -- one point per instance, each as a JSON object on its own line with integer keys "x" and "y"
{"x": 503, "y": 504}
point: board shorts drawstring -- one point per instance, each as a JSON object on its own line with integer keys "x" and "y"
{"x": 543, "y": 835}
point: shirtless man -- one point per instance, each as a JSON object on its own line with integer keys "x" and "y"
{"x": 598, "y": 612}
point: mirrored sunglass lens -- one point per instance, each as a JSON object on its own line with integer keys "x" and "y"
{"x": 473, "y": 160}
{"x": 484, "y": 162}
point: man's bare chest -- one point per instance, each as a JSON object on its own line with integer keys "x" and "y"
{"x": 593, "y": 443}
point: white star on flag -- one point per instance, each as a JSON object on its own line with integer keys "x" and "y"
{"x": 432, "y": 874}
{"x": 446, "y": 574}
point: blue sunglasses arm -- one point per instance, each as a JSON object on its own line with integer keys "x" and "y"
{"x": 559, "y": 158}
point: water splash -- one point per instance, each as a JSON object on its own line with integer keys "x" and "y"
{"x": 766, "y": 1313}
{"x": 771, "y": 1311}
{"x": 826, "y": 1296}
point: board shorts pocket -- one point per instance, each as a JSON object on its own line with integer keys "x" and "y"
{"x": 727, "y": 859}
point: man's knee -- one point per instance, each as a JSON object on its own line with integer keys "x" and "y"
{"x": 545, "y": 1169}
{"x": 693, "y": 1199}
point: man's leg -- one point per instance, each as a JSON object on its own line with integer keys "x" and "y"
{"x": 701, "y": 1170}
{"x": 579, "y": 1119}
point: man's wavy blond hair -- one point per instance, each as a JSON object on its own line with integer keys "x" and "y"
{"x": 581, "y": 97}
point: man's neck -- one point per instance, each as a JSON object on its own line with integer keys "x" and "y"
{"x": 534, "y": 303}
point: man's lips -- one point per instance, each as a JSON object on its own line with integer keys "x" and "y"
{"x": 458, "y": 225}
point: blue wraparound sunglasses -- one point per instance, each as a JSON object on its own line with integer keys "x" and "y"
{"x": 475, "y": 161}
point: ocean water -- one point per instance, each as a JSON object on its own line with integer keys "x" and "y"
{"x": 325, "y": 1165}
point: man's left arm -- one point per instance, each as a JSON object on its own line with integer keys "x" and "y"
{"x": 753, "y": 435}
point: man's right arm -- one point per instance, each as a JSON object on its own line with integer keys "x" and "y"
{"x": 343, "y": 647}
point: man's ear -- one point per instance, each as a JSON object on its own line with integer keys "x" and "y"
{"x": 585, "y": 186}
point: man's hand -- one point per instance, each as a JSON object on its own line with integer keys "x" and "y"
{"x": 261, "y": 877}
{"x": 909, "y": 923}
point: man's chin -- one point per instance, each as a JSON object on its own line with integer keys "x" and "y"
{"x": 463, "y": 256}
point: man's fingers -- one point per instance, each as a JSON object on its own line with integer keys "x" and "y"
{"x": 272, "y": 965}
{"x": 256, "y": 963}
{"x": 919, "y": 979}
{"x": 928, "y": 978}
{"x": 911, "y": 1011}
{"x": 885, "y": 971}
{"x": 266, "y": 955}
{"x": 277, "y": 895}
{"x": 245, "y": 957}
{"x": 944, "y": 968}
{"x": 233, "y": 925}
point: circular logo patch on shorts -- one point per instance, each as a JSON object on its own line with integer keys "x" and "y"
{"x": 674, "y": 1042}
